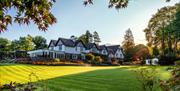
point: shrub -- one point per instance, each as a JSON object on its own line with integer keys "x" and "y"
{"x": 98, "y": 60}
{"x": 147, "y": 78}
{"x": 89, "y": 57}
{"x": 7, "y": 60}
{"x": 56, "y": 60}
{"x": 114, "y": 61}
{"x": 173, "y": 84}
{"x": 177, "y": 63}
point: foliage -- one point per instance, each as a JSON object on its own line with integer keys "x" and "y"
{"x": 39, "y": 42}
{"x": 7, "y": 60}
{"x": 23, "y": 44}
{"x": 37, "y": 11}
{"x": 86, "y": 38}
{"x": 163, "y": 30}
{"x": 141, "y": 52}
{"x": 117, "y": 4}
{"x": 57, "y": 60}
{"x": 155, "y": 51}
{"x": 148, "y": 78}
{"x": 30, "y": 86}
{"x": 98, "y": 60}
{"x": 177, "y": 63}
{"x": 90, "y": 57}
{"x": 128, "y": 45}
{"x": 96, "y": 37}
{"x": 4, "y": 47}
{"x": 114, "y": 61}
{"x": 173, "y": 84}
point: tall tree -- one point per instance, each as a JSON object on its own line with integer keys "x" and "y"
{"x": 23, "y": 44}
{"x": 96, "y": 37}
{"x": 128, "y": 45}
{"x": 128, "y": 40}
{"x": 161, "y": 30}
{"x": 39, "y": 42}
{"x": 37, "y": 11}
{"x": 4, "y": 47}
{"x": 86, "y": 38}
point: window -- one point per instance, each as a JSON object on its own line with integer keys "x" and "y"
{"x": 51, "y": 48}
{"x": 81, "y": 49}
{"x": 60, "y": 47}
{"x": 74, "y": 56}
{"x": 116, "y": 54}
{"x": 76, "y": 48}
{"x": 104, "y": 52}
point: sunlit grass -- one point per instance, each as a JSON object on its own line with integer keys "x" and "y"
{"x": 79, "y": 78}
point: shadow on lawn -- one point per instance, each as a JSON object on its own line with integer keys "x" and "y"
{"x": 118, "y": 79}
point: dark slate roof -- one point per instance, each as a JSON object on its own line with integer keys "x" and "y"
{"x": 101, "y": 47}
{"x": 90, "y": 45}
{"x": 67, "y": 42}
{"x": 52, "y": 41}
{"x": 113, "y": 49}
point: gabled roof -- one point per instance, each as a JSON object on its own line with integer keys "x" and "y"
{"x": 66, "y": 42}
{"x": 77, "y": 41}
{"x": 90, "y": 45}
{"x": 101, "y": 47}
{"x": 112, "y": 49}
{"x": 52, "y": 41}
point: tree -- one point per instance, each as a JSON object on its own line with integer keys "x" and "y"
{"x": 155, "y": 51}
{"x": 141, "y": 52}
{"x": 118, "y": 4}
{"x": 128, "y": 44}
{"x": 37, "y": 11}
{"x": 23, "y": 44}
{"x": 86, "y": 38}
{"x": 4, "y": 47}
{"x": 96, "y": 37}
{"x": 39, "y": 42}
{"x": 162, "y": 29}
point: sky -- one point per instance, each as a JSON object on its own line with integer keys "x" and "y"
{"x": 73, "y": 18}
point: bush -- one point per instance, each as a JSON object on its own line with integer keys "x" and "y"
{"x": 177, "y": 63}
{"x": 148, "y": 78}
{"x": 89, "y": 57}
{"x": 114, "y": 61}
{"x": 56, "y": 60}
{"x": 7, "y": 60}
{"x": 173, "y": 84}
{"x": 98, "y": 60}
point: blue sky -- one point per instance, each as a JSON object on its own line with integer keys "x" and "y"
{"x": 74, "y": 19}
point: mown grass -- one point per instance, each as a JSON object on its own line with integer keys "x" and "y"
{"x": 78, "y": 78}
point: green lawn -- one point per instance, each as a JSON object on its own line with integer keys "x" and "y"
{"x": 78, "y": 78}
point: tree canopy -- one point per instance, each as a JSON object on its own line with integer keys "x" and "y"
{"x": 128, "y": 45}
{"x": 27, "y": 11}
{"x": 39, "y": 42}
{"x": 163, "y": 29}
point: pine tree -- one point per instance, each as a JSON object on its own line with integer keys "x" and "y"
{"x": 128, "y": 44}
{"x": 89, "y": 37}
{"x": 96, "y": 37}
